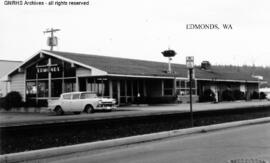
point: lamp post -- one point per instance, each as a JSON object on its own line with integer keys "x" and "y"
{"x": 169, "y": 54}
{"x": 190, "y": 66}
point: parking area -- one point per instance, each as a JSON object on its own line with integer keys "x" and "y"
{"x": 19, "y": 119}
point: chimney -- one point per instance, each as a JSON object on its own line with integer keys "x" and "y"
{"x": 205, "y": 65}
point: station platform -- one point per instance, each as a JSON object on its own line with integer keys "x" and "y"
{"x": 10, "y": 119}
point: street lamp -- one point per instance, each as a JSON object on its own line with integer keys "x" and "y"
{"x": 190, "y": 66}
{"x": 169, "y": 54}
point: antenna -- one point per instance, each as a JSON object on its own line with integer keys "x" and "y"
{"x": 52, "y": 41}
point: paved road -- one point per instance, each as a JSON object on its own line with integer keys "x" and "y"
{"x": 17, "y": 119}
{"x": 214, "y": 147}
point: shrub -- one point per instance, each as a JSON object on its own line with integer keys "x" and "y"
{"x": 159, "y": 100}
{"x": 227, "y": 95}
{"x": 207, "y": 96}
{"x": 255, "y": 95}
{"x": 238, "y": 95}
{"x": 13, "y": 99}
{"x": 262, "y": 95}
{"x": 42, "y": 103}
{"x": 3, "y": 103}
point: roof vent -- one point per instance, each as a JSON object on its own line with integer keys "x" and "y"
{"x": 205, "y": 65}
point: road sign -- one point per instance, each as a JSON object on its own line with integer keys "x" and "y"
{"x": 190, "y": 62}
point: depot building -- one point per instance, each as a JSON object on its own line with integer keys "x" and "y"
{"x": 47, "y": 74}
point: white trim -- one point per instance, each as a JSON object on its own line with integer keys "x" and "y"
{"x": 228, "y": 80}
{"x": 59, "y": 57}
{"x": 139, "y": 76}
{"x": 183, "y": 78}
{"x": 23, "y": 63}
{"x": 72, "y": 61}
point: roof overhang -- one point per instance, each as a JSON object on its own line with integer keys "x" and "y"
{"x": 144, "y": 76}
{"x": 42, "y": 52}
{"x": 229, "y": 80}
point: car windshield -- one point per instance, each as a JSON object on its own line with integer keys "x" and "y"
{"x": 88, "y": 95}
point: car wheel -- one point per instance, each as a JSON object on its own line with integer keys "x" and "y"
{"x": 89, "y": 109}
{"x": 58, "y": 110}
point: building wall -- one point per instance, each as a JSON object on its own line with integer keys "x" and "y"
{"x": 218, "y": 87}
{"x": 17, "y": 83}
{"x": 4, "y": 88}
{"x": 251, "y": 87}
{"x": 83, "y": 72}
{"x": 5, "y": 67}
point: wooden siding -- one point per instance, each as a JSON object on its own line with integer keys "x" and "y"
{"x": 80, "y": 72}
{"x": 83, "y": 72}
{"x": 17, "y": 83}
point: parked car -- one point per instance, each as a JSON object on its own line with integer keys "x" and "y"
{"x": 78, "y": 102}
{"x": 268, "y": 96}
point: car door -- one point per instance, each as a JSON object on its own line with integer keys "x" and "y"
{"x": 65, "y": 103}
{"x": 76, "y": 102}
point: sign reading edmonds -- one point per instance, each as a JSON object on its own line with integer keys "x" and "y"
{"x": 54, "y": 68}
{"x": 209, "y": 26}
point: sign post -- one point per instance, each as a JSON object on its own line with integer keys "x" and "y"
{"x": 190, "y": 66}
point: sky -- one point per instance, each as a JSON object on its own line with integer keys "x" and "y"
{"x": 142, "y": 29}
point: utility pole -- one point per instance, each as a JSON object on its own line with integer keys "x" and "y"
{"x": 52, "y": 41}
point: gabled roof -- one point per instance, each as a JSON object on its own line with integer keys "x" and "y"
{"x": 114, "y": 66}
{"x": 124, "y": 66}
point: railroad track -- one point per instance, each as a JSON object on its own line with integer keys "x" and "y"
{"x": 39, "y": 136}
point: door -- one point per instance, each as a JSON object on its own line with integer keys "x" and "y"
{"x": 65, "y": 103}
{"x": 76, "y": 102}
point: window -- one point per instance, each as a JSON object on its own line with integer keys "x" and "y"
{"x": 99, "y": 86}
{"x": 69, "y": 71}
{"x": 70, "y": 85}
{"x": 31, "y": 89}
{"x": 182, "y": 87}
{"x": 106, "y": 88}
{"x": 122, "y": 88}
{"x": 129, "y": 86}
{"x": 168, "y": 87}
{"x": 43, "y": 88}
{"x": 88, "y": 95}
{"x": 43, "y": 62}
{"x": 178, "y": 83}
{"x": 183, "y": 84}
{"x": 42, "y": 69}
{"x": 56, "y": 88}
{"x": 76, "y": 96}
{"x": 67, "y": 96}
{"x": 31, "y": 72}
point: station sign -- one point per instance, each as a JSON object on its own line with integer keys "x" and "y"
{"x": 190, "y": 62}
{"x": 48, "y": 69}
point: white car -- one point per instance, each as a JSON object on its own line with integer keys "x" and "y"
{"x": 268, "y": 96}
{"x": 78, "y": 102}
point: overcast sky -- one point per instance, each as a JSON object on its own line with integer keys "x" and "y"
{"x": 142, "y": 29}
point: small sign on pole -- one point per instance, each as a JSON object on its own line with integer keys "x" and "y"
{"x": 190, "y": 66}
{"x": 190, "y": 62}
